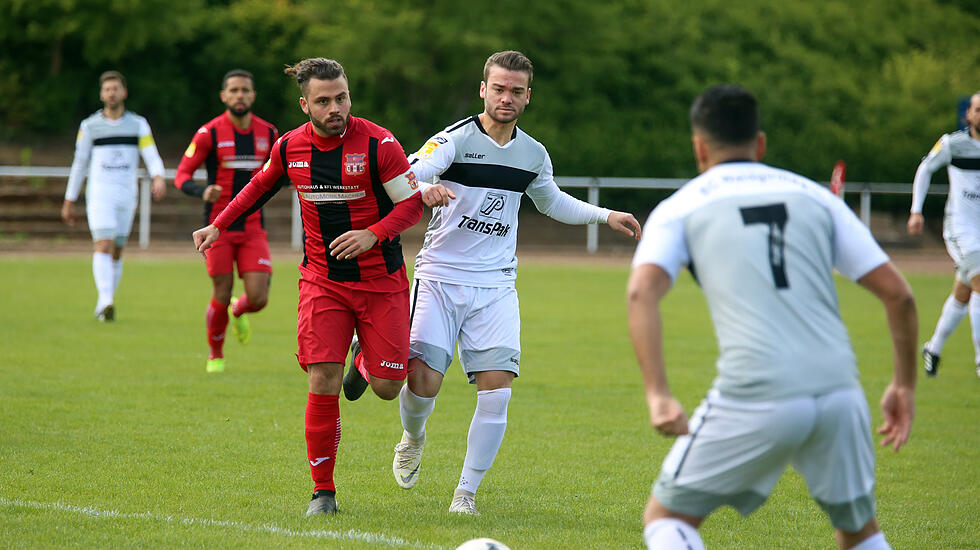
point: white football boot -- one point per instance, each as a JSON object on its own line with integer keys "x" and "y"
{"x": 408, "y": 459}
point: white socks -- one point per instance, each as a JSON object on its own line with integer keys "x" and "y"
{"x": 874, "y": 542}
{"x": 102, "y": 271}
{"x": 673, "y": 534}
{"x": 116, "y": 274}
{"x": 975, "y": 325}
{"x": 415, "y": 411}
{"x": 952, "y": 313}
{"x": 486, "y": 434}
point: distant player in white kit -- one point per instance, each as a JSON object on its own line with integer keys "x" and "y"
{"x": 107, "y": 150}
{"x": 960, "y": 153}
{"x": 762, "y": 243}
{"x": 464, "y": 275}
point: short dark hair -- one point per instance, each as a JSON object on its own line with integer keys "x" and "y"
{"x": 512, "y": 61}
{"x": 727, "y": 113}
{"x": 112, "y": 75}
{"x": 236, "y": 72}
{"x": 320, "y": 68}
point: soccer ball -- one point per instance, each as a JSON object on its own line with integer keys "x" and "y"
{"x": 482, "y": 544}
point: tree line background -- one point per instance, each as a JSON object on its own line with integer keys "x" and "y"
{"x": 874, "y": 82}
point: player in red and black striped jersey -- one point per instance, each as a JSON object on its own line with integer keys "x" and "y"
{"x": 357, "y": 194}
{"x": 233, "y": 146}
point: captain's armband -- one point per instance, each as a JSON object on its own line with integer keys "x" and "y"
{"x": 402, "y": 187}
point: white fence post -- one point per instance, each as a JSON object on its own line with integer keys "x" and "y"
{"x": 144, "y": 211}
{"x": 592, "y": 230}
{"x": 866, "y": 205}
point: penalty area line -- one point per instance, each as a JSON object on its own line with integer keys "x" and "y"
{"x": 350, "y": 534}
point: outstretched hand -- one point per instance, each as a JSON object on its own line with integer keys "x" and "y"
{"x": 352, "y": 243}
{"x": 667, "y": 415}
{"x": 898, "y": 410}
{"x": 204, "y": 237}
{"x": 625, "y": 223}
{"x": 915, "y": 223}
{"x": 437, "y": 195}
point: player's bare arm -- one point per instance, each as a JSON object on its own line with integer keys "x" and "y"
{"x": 647, "y": 286}
{"x": 915, "y": 223}
{"x": 352, "y": 243}
{"x": 211, "y": 193}
{"x": 437, "y": 195}
{"x": 898, "y": 401}
{"x": 159, "y": 188}
{"x": 204, "y": 237}
{"x": 68, "y": 212}
{"x": 625, "y": 223}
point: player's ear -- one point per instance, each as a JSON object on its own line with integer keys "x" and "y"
{"x": 483, "y": 89}
{"x": 528, "y": 96}
{"x": 700, "y": 147}
{"x": 303, "y": 105}
{"x": 760, "y": 146}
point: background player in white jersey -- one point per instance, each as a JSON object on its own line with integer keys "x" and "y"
{"x": 762, "y": 244}
{"x": 960, "y": 152}
{"x": 464, "y": 275}
{"x": 107, "y": 150}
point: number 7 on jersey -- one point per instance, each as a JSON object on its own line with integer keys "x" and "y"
{"x": 773, "y": 215}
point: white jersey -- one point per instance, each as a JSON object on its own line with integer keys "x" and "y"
{"x": 961, "y": 154}
{"x": 762, "y": 243}
{"x": 473, "y": 240}
{"x": 108, "y": 152}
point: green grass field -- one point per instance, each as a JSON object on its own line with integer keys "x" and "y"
{"x": 113, "y": 435}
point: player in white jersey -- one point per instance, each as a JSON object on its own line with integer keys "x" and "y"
{"x": 107, "y": 150}
{"x": 960, "y": 153}
{"x": 464, "y": 275}
{"x": 762, "y": 243}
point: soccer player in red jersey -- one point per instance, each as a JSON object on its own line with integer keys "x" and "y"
{"x": 357, "y": 194}
{"x": 233, "y": 146}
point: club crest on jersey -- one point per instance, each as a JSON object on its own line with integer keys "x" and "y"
{"x": 354, "y": 163}
{"x": 262, "y": 144}
{"x": 413, "y": 181}
{"x": 429, "y": 148}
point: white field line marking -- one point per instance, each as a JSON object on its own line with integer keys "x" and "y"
{"x": 350, "y": 534}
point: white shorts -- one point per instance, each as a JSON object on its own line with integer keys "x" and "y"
{"x": 484, "y": 322}
{"x": 736, "y": 451}
{"x": 964, "y": 249}
{"x": 110, "y": 217}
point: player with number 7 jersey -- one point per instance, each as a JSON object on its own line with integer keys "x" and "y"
{"x": 745, "y": 229}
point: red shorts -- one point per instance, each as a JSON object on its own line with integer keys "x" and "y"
{"x": 248, "y": 249}
{"x": 328, "y": 315}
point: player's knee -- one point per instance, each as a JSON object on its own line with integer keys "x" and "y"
{"x": 386, "y": 389}
{"x": 325, "y": 378}
{"x": 259, "y": 300}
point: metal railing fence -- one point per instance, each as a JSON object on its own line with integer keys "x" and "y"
{"x": 593, "y": 184}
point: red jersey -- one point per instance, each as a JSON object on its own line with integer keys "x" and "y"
{"x": 340, "y": 181}
{"x": 232, "y": 156}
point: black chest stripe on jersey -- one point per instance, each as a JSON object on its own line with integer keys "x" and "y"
{"x": 118, "y": 140}
{"x": 966, "y": 163}
{"x": 489, "y": 176}
{"x": 244, "y": 145}
{"x": 334, "y": 217}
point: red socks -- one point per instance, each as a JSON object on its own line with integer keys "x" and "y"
{"x": 322, "y": 438}
{"x": 217, "y": 322}
{"x": 243, "y": 306}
